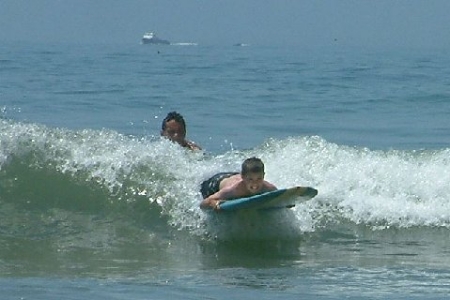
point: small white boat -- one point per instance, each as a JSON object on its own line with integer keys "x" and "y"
{"x": 151, "y": 38}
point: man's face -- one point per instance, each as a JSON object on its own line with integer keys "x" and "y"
{"x": 174, "y": 131}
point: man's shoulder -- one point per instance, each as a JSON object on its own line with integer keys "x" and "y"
{"x": 191, "y": 145}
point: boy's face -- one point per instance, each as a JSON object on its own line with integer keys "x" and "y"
{"x": 253, "y": 182}
{"x": 174, "y": 131}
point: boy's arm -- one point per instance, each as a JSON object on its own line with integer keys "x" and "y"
{"x": 215, "y": 199}
{"x": 270, "y": 187}
{"x": 210, "y": 202}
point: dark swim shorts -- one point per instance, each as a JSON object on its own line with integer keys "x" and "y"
{"x": 212, "y": 185}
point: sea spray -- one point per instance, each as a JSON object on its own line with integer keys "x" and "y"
{"x": 90, "y": 171}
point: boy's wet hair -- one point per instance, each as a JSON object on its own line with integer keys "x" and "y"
{"x": 173, "y": 115}
{"x": 252, "y": 165}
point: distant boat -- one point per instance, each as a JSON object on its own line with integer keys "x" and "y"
{"x": 151, "y": 38}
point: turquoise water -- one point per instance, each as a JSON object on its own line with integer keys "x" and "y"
{"x": 94, "y": 204}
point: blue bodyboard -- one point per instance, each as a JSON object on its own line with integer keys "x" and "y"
{"x": 283, "y": 198}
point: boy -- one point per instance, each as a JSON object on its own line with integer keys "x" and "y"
{"x": 227, "y": 186}
{"x": 174, "y": 128}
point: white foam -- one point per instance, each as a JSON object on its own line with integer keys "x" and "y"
{"x": 377, "y": 188}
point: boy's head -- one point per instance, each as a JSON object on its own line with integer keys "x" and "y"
{"x": 252, "y": 165}
{"x": 174, "y": 127}
{"x": 252, "y": 173}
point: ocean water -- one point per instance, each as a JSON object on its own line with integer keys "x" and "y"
{"x": 95, "y": 205}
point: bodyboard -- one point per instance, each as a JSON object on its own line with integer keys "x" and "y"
{"x": 283, "y": 198}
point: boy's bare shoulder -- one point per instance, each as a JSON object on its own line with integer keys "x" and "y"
{"x": 227, "y": 193}
{"x": 270, "y": 186}
{"x": 229, "y": 182}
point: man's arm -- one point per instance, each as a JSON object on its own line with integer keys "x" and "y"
{"x": 191, "y": 145}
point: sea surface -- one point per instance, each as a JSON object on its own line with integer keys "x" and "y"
{"x": 95, "y": 205}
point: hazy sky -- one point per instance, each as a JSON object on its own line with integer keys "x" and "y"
{"x": 311, "y": 23}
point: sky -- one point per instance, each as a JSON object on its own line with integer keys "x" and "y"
{"x": 374, "y": 23}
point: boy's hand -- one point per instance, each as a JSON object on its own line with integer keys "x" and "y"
{"x": 216, "y": 205}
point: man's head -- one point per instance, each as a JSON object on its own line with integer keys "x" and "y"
{"x": 174, "y": 128}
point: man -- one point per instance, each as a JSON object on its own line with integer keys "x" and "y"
{"x": 174, "y": 128}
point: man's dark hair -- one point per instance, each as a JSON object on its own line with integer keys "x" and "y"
{"x": 173, "y": 115}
